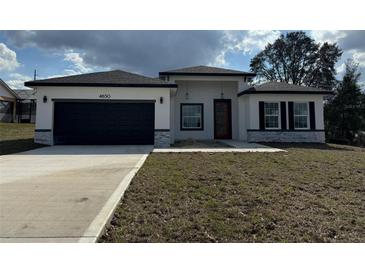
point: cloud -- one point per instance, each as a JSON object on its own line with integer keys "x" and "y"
{"x": 346, "y": 39}
{"x": 77, "y": 63}
{"x": 139, "y": 51}
{"x": 359, "y": 57}
{"x": 329, "y": 36}
{"x": 341, "y": 68}
{"x": 8, "y": 61}
{"x": 352, "y": 42}
{"x": 17, "y": 80}
{"x": 244, "y": 42}
{"x": 255, "y": 40}
{"x": 144, "y": 52}
{"x": 148, "y": 52}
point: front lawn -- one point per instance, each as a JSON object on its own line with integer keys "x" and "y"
{"x": 16, "y": 138}
{"x": 309, "y": 194}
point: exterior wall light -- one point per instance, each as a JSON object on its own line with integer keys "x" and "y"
{"x": 161, "y": 100}
{"x": 45, "y": 99}
{"x": 187, "y": 95}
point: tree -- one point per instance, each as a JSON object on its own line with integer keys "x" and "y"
{"x": 345, "y": 112}
{"x": 295, "y": 58}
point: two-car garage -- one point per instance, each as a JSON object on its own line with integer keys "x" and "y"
{"x": 103, "y": 108}
{"x": 104, "y": 123}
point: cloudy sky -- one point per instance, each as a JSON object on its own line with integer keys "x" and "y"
{"x": 58, "y": 53}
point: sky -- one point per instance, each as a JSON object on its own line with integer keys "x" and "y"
{"x": 61, "y": 53}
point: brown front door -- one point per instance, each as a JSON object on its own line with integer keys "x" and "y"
{"x": 222, "y": 119}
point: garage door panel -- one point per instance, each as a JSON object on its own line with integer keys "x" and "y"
{"x": 103, "y": 123}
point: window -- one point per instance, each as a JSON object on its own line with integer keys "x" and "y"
{"x": 301, "y": 116}
{"x": 271, "y": 115}
{"x": 192, "y": 116}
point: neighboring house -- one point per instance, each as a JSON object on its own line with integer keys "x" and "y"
{"x": 26, "y": 105}
{"x": 118, "y": 107}
{"x": 7, "y": 103}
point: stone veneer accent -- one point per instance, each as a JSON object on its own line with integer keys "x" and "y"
{"x": 299, "y": 136}
{"x": 162, "y": 138}
{"x": 44, "y": 137}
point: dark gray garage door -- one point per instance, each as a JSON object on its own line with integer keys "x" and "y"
{"x": 104, "y": 123}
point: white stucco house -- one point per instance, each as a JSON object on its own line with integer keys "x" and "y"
{"x": 118, "y": 107}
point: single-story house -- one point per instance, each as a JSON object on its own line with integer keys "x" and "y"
{"x": 118, "y": 107}
{"x": 8, "y": 99}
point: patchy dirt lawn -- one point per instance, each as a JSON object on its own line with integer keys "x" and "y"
{"x": 309, "y": 194}
{"x": 16, "y": 137}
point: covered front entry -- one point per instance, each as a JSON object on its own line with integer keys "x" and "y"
{"x": 222, "y": 119}
{"x": 104, "y": 123}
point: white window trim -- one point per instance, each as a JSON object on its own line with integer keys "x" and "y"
{"x": 279, "y": 120}
{"x": 189, "y": 116}
{"x": 308, "y": 125}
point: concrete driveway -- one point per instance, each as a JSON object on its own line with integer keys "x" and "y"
{"x": 64, "y": 193}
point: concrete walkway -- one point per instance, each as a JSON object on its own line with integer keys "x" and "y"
{"x": 64, "y": 193}
{"x": 236, "y": 146}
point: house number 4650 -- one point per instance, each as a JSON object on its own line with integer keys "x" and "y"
{"x": 104, "y": 96}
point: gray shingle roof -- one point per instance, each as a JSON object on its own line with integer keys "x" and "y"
{"x": 114, "y": 78}
{"x": 280, "y": 88}
{"x": 206, "y": 70}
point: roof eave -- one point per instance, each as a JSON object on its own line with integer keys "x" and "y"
{"x": 205, "y": 74}
{"x": 38, "y": 84}
{"x": 286, "y": 92}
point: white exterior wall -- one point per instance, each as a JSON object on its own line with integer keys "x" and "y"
{"x": 249, "y": 110}
{"x": 245, "y": 110}
{"x": 253, "y": 105}
{"x": 44, "y": 116}
{"x": 243, "y": 117}
{"x": 204, "y": 92}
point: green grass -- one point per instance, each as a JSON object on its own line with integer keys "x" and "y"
{"x": 16, "y": 138}
{"x": 309, "y": 194}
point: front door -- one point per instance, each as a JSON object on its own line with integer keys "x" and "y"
{"x": 222, "y": 119}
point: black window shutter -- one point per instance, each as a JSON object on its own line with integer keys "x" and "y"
{"x": 283, "y": 115}
{"x": 312, "y": 116}
{"x": 262, "y": 114}
{"x": 291, "y": 115}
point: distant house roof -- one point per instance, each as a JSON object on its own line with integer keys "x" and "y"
{"x": 11, "y": 91}
{"x": 114, "y": 78}
{"x": 25, "y": 94}
{"x": 283, "y": 88}
{"x": 206, "y": 71}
